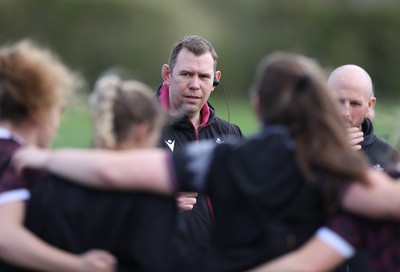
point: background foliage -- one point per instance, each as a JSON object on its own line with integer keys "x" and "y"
{"x": 94, "y": 35}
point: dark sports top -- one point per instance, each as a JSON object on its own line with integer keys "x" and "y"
{"x": 263, "y": 207}
{"x": 379, "y": 238}
{"x": 138, "y": 228}
{"x": 196, "y": 225}
{"x": 12, "y": 187}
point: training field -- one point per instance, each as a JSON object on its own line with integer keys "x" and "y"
{"x": 75, "y": 130}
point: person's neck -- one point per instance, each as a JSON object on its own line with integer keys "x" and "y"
{"x": 25, "y": 130}
{"x": 127, "y": 145}
{"x": 195, "y": 119}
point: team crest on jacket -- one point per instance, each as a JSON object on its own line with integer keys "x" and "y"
{"x": 170, "y": 144}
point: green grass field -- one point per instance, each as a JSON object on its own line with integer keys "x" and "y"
{"x": 76, "y": 130}
{"x": 387, "y": 123}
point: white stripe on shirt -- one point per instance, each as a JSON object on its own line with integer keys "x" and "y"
{"x": 14, "y": 195}
{"x": 336, "y": 242}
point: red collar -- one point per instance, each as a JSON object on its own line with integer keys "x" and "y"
{"x": 163, "y": 98}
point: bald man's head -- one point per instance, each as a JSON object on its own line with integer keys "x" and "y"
{"x": 353, "y": 87}
{"x": 351, "y": 76}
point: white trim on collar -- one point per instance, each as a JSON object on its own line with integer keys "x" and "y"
{"x": 7, "y": 134}
{"x": 14, "y": 195}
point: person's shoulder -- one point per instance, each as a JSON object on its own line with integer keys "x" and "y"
{"x": 272, "y": 144}
{"x": 7, "y": 149}
{"x": 382, "y": 143}
{"x": 277, "y": 133}
{"x": 230, "y": 128}
{"x": 382, "y": 153}
{"x": 10, "y": 181}
{"x": 8, "y": 146}
{"x": 224, "y": 122}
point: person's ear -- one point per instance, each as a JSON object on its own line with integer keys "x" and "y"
{"x": 138, "y": 135}
{"x": 166, "y": 73}
{"x": 217, "y": 77}
{"x": 371, "y": 102}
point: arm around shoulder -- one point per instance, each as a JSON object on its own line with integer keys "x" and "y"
{"x": 145, "y": 169}
{"x": 20, "y": 247}
{"x": 380, "y": 198}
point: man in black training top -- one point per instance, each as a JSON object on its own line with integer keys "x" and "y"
{"x": 188, "y": 81}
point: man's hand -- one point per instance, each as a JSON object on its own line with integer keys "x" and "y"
{"x": 186, "y": 200}
{"x": 355, "y": 136}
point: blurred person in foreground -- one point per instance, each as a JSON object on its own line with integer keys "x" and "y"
{"x": 34, "y": 86}
{"x": 136, "y": 227}
{"x": 271, "y": 192}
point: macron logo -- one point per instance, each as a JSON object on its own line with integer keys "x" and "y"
{"x": 170, "y": 144}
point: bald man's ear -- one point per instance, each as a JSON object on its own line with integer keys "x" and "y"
{"x": 372, "y": 101}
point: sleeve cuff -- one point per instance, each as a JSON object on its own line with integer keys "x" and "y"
{"x": 14, "y": 195}
{"x": 336, "y": 242}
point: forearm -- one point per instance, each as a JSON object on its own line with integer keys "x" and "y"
{"x": 289, "y": 262}
{"x": 315, "y": 255}
{"x": 380, "y": 199}
{"x": 136, "y": 170}
{"x": 145, "y": 169}
{"x": 26, "y": 250}
{"x": 86, "y": 167}
{"x": 20, "y": 247}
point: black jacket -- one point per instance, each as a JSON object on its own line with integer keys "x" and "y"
{"x": 196, "y": 225}
{"x": 181, "y": 131}
{"x": 263, "y": 206}
{"x": 381, "y": 155}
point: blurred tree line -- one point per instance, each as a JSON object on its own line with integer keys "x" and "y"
{"x": 94, "y": 35}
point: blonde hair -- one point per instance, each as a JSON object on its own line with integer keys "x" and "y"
{"x": 118, "y": 106}
{"x": 32, "y": 81}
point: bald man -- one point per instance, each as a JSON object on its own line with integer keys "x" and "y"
{"x": 353, "y": 87}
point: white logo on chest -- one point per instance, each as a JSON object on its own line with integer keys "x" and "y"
{"x": 170, "y": 144}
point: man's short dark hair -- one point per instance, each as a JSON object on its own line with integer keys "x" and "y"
{"x": 195, "y": 44}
